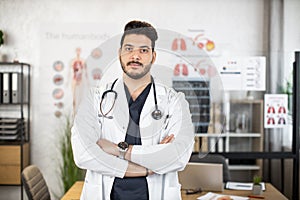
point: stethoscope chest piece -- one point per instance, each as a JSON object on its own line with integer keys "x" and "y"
{"x": 157, "y": 114}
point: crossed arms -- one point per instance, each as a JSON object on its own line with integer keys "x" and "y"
{"x": 133, "y": 170}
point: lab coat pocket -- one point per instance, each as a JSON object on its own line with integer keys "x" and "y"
{"x": 172, "y": 192}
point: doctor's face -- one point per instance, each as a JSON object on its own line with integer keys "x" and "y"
{"x": 136, "y": 55}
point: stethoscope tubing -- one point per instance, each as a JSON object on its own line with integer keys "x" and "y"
{"x": 156, "y": 114}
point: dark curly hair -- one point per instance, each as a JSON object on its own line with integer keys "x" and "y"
{"x": 140, "y": 28}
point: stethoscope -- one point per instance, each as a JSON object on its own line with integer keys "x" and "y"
{"x": 156, "y": 114}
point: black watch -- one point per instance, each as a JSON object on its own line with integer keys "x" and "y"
{"x": 123, "y": 147}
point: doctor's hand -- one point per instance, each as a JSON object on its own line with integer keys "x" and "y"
{"x": 108, "y": 147}
{"x": 135, "y": 170}
{"x": 168, "y": 139}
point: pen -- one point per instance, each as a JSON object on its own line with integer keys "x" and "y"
{"x": 167, "y": 121}
{"x": 166, "y": 118}
{"x": 256, "y": 197}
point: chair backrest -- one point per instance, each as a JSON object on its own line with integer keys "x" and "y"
{"x": 35, "y": 184}
{"x": 213, "y": 158}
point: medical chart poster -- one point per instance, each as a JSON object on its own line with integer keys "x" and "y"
{"x": 242, "y": 73}
{"x": 67, "y": 49}
{"x": 276, "y": 110}
{"x": 64, "y": 75}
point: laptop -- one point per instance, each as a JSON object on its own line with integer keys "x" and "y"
{"x": 204, "y": 176}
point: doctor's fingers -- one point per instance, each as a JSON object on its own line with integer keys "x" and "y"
{"x": 168, "y": 139}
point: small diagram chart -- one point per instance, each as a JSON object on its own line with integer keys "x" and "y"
{"x": 276, "y": 110}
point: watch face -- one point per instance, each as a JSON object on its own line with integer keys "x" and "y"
{"x": 123, "y": 145}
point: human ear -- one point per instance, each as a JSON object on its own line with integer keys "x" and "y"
{"x": 153, "y": 57}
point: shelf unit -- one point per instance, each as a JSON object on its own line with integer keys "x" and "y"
{"x": 14, "y": 122}
{"x": 252, "y": 141}
{"x": 243, "y": 138}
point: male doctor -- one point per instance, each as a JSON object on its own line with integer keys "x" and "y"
{"x": 133, "y": 137}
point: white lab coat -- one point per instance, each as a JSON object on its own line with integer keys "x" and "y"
{"x": 164, "y": 159}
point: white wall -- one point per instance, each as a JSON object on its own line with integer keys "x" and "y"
{"x": 239, "y": 26}
{"x": 291, "y": 33}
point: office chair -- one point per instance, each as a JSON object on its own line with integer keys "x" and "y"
{"x": 35, "y": 184}
{"x": 212, "y": 158}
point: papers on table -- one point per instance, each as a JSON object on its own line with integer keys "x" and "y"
{"x": 214, "y": 196}
{"x": 242, "y": 186}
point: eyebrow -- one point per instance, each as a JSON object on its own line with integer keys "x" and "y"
{"x": 143, "y": 46}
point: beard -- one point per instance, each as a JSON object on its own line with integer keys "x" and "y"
{"x": 135, "y": 75}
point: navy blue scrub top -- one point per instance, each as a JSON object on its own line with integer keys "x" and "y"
{"x": 132, "y": 188}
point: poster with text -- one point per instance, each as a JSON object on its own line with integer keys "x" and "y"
{"x": 242, "y": 73}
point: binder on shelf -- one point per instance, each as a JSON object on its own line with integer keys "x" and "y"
{"x": 1, "y": 88}
{"x": 5, "y": 94}
{"x": 10, "y": 87}
{"x": 16, "y": 88}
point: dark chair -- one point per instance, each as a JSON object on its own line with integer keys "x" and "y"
{"x": 35, "y": 184}
{"x": 213, "y": 158}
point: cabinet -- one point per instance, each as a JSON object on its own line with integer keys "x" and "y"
{"x": 14, "y": 122}
{"x": 10, "y": 163}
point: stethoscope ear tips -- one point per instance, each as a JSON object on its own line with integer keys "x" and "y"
{"x": 157, "y": 114}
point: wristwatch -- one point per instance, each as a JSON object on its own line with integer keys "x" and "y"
{"x": 123, "y": 147}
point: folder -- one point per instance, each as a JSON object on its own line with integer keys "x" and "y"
{"x": 1, "y": 88}
{"x": 5, "y": 93}
{"x": 10, "y": 87}
{"x": 16, "y": 88}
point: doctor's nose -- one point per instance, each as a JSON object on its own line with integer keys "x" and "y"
{"x": 135, "y": 55}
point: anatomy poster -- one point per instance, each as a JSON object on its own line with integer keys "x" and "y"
{"x": 276, "y": 110}
{"x": 196, "y": 48}
{"x": 66, "y": 73}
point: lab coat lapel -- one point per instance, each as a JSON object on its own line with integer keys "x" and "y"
{"x": 121, "y": 110}
{"x": 148, "y": 107}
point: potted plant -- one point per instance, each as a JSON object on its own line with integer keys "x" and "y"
{"x": 257, "y": 187}
{"x": 288, "y": 90}
{"x": 70, "y": 173}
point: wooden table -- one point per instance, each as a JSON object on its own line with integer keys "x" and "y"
{"x": 74, "y": 192}
{"x": 271, "y": 193}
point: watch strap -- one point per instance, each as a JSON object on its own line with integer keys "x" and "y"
{"x": 122, "y": 153}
